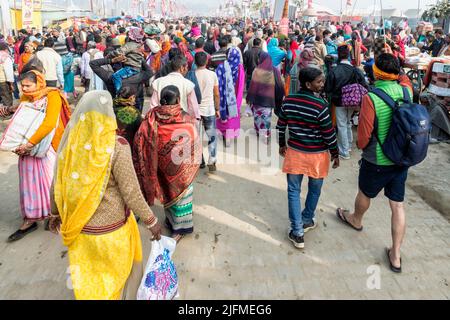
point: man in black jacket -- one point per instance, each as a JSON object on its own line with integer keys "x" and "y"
{"x": 251, "y": 59}
{"x": 342, "y": 75}
{"x": 137, "y": 81}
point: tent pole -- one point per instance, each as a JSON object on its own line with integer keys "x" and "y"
{"x": 354, "y": 5}
{"x": 418, "y": 9}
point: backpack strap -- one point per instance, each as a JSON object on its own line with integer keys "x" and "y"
{"x": 406, "y": 97}
{"x": 385, "y": 97}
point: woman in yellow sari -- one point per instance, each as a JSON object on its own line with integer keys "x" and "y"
{"x": 96, "y": 192}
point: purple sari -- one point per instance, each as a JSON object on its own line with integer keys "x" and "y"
{"x": 230, "y": 126}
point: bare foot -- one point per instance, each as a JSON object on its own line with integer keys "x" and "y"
{"x": 26, "y": 225}
{"x": 177, "y": 237}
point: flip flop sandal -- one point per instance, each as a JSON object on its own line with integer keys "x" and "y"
{"x": 344, "y": 220}
{"x": 19, "y": 234}
{"x": 393, "y": 268}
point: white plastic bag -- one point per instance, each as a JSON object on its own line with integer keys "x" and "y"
{"x": 160, "y": 281}
{"x": 27, "y": 119}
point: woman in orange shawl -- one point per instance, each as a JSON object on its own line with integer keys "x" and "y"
{"x": 167, "y": 157}
{"x": 30, "y": 48}
{"x": 357, "y": 48}
{"x": 36, "y": 174}
{"x": 157, "y": 58}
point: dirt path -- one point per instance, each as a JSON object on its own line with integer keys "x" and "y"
{"x": 240, "y": 249}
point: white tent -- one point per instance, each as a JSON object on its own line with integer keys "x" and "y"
{"x": 320, "y": 10}
{"x": 413, "y": 13}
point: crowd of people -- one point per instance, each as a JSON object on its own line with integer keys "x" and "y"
{"x": 112, "y": 155}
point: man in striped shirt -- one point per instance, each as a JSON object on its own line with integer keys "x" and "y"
{"x": 311, "y": 141}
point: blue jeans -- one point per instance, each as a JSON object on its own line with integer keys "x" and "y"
{"x": 16, "y": 87}
{"x": 124, "y": 73}
{"x": 296, "y": 216}
{"x": 345, "y": 133}
{"x": 209, "y": 123}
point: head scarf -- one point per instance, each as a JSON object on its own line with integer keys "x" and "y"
{"x": 275, "y": 52}
{"x": 234, "y": 59}
{"x": 180, "y": 35}
{"x": 166, "y": 46}
{"x": 135, "y": 34}
{"x": 42, "y": 91}
{"x": 294, "y": 48}
{"x": 259, "y": 34}
{"x": 91, "y": 45}
{"x": 185, "y": 52}
{"x": 306, "y": 57}
{"x": 41, "y": 87}
{"x": 128, "y": 118}
{"x": 84, "y": 162}
{"x": 381, "y": 75}
{"x": 155, "y": 149}
{"x": 152, "y": 30}
{"x": 228, "y": 76}
{"x": 263, "y": 87}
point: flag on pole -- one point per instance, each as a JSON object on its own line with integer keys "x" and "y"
{"x": 27, "y": 13}
{"x": 163, "y": 8}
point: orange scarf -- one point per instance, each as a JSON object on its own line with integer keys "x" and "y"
{"x": 24, "y": 59}
{"x": 156, "y": 62}
{"x": 381, "y": 75}
{"x": 165, "y": 48}
{"x": 42, "y": 90}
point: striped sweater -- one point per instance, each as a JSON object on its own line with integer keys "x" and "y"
{"x": 309, "y": 122}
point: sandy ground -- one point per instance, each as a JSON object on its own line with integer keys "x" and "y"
{"x": 239, "y": 249}
{"x": 431, "y": 179}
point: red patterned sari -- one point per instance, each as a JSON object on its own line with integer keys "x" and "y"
{"x": 166, "y": 154}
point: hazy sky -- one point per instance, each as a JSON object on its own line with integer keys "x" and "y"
{"x": 203, "y": 6}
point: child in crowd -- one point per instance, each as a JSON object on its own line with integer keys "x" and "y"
{"x": 368, "y": 67}
{"x": 132, "y": 51}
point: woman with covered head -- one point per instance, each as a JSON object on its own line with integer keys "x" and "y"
{"x": 167, "y": 157}
{"x": 266, "y": 92}
{"x": 128, "y": 116}
{"x": 276, "y": 53}
{"x": 357, "y": 48}
{"x": 231, "y": 76}
{"x": 36, "y": 173}
{"x": 307, "y": 59}
{"x": 96, "y": 197}
{"x": 30, "y": 48}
